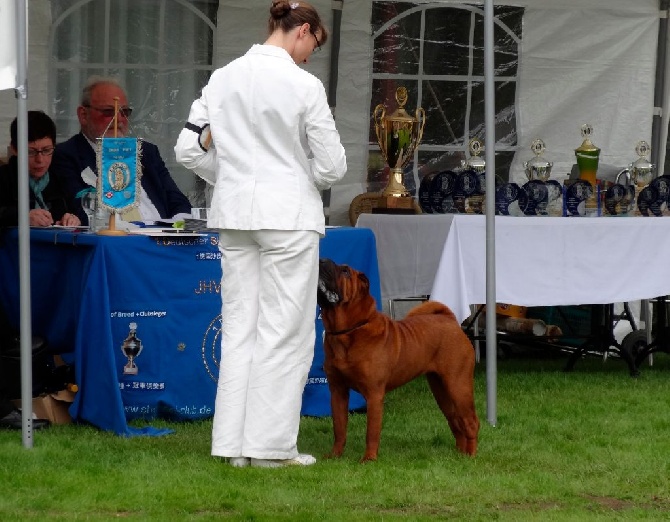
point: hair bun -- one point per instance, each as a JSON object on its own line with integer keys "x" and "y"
{"x": 280, "y": 8}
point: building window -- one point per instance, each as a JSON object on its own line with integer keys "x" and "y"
{"x": 437, "y": 53}
{"x": 161, "y": 50}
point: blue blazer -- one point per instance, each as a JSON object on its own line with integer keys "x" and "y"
{"x": 74, "y": 155}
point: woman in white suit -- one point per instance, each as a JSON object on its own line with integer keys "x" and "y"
{"x": 263, "y": 134}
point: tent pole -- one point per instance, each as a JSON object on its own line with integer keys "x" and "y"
{"x": 24, "y": 227}
{"x": 659, "y": 89}
{"x": 337, "y": 6}
{"x": 491, "y": 334}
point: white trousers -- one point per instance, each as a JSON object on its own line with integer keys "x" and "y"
{"x": 268, "y": 295}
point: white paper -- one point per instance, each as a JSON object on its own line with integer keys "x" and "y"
{"x": 89, "y": 177}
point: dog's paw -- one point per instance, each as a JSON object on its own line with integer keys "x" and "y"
{"x": 332, "y": 455}
{"x": 368, "y": 458}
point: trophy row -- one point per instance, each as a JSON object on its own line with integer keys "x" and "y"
{"x": 636, "y": 190}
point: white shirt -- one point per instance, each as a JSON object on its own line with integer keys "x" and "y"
{"x": 275, "y": 144}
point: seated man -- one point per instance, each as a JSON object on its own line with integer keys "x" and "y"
{"x": 49, "y": 203}
{"x": 160, "y": 196}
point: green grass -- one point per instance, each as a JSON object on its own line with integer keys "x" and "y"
{"x": 592, "y": 444}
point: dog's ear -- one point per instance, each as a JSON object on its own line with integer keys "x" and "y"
{"x": 364, "y": 279}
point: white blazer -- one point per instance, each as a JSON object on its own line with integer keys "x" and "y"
{"x": 275, "y": 145}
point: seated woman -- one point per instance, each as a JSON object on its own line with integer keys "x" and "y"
{"x": 49, "y": 204}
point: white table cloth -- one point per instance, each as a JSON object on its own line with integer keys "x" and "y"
{"x": 544, "y": 261}
{"x": 409, "y": 248}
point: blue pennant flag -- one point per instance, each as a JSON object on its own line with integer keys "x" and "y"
{"x": 119, "y": 172}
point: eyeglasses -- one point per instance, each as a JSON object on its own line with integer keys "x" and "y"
{"x": 318, "y": 45}
{"x": 108, "y": 112}
{"x": 48, "y": 151}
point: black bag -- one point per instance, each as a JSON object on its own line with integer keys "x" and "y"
{"x": 10, "y": 366}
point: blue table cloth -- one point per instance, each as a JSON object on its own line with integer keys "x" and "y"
{"x": 91, "y": 294}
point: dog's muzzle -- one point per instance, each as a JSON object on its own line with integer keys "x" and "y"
{"x": 331, "y": 297}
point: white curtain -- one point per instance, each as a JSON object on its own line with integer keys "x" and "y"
{"x": 8, "y": 49}
{"x": 161, "y": 50}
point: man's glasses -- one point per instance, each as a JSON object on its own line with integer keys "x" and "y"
{"x": 108, "y": 112}
{"x": 318, "y": 45}
{"x": 47, "y": 151}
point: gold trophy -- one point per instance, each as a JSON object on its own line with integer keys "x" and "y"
{"x": 398, "y": 136}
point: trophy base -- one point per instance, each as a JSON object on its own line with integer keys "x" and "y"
{"x": 375, "y": 203}
{"x": 110, "y": 232}
{"x": 396, "y": 205}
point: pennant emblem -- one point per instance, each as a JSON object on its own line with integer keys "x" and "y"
{"x": 119, "y": 172}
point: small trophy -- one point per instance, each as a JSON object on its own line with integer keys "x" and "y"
{"x": 475, "y": 162}
{"x": 642, "y": 170}
{"x": 587, "y": 155}
{"x": 471, "y": 180}
{"x": 543, "y": 196}
{"x": 651, "y": 195}
{"x": 398, "y": 136}
{"x": 131, "y": 348}
{"x": 538, "y": 167}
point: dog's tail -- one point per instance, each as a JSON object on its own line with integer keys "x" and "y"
{"x": 432, "y": 307}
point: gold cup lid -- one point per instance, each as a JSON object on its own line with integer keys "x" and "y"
{"x": 587, "y": 145}
{"x": 400, "y": 114}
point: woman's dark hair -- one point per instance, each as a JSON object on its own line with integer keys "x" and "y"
{"x": 286, "y": 15}
{"x": 39, "y": 126}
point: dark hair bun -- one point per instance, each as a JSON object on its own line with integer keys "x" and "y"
{"x": 280, "y": 8}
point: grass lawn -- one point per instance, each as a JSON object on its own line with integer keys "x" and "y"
{"x": 591, "y": 444}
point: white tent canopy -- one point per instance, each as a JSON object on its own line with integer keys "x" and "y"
{"x": 581, "y": 62}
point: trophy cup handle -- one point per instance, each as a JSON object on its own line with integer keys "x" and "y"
{"x": 378, "y": 116}
{"x": 421, "y": 119}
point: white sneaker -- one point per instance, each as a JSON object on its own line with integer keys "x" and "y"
{"x": 300, "y": 460}
{"x": 238, "y": 462}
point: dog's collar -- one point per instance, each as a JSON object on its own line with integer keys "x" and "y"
{"x": 348, "y": 330}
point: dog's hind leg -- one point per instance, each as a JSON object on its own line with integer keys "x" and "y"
{"x": 459, "y": 410}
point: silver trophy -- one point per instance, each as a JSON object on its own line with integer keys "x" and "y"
{"x": 538, "y": 168}
{"x": 642, "y": 170}
{"x": 131, "y": 348}
{"x": 475, "y": 161}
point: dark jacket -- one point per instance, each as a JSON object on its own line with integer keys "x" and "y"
{"x": 74, "y": 155}
{"x": 54, "y": 195}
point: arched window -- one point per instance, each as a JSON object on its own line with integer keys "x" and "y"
{"x": 161, "y": 50}
{"x": 437, "y": 53}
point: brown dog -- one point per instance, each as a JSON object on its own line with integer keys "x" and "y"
{"x": 367, "y": 351}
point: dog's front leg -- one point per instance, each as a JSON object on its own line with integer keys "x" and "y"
{"x": 339, "y": 405}
{"x": 375, "y": 412}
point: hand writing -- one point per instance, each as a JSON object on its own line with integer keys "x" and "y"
{"x": 39, "y": 217}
